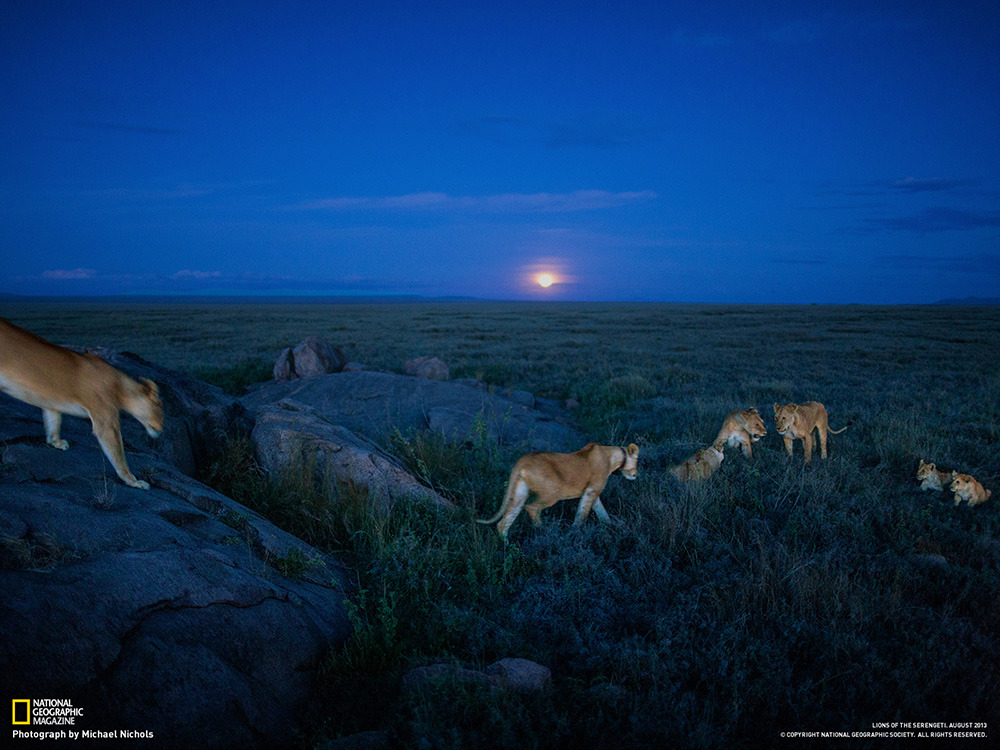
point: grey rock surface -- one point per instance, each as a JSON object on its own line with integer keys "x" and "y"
{"x": 159, "y": 610}
{"x": 431, "y": 368}
{"x": 375, "y": 403}
{"x": 314, "y": 356}
{"x": 287, "y": 433}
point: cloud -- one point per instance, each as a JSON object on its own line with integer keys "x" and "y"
{"x": 592, "y": 131}
{"x": 906, "y": 185}
{"x": 976, "y": 263}
{"x": 799, "y": 261}
{"x": 926, "y": 184}
{"x": 503, "y": 203}
{"x": 75, "y": 273}
{"x": 941, "y": 219}
{"x": 199, "y": 275}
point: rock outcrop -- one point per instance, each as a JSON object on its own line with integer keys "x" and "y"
{"x": 169, "y": 610}
{"x": 286, "y": 434}
{"x": 375, "y": 403}
{"x": 314, "y": 356}
{"x": 431, "y": 368}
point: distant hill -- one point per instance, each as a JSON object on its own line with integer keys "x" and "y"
{"x": 969, "y": 301}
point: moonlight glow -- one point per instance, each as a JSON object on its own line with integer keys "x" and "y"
{"x": 545, "y": 280}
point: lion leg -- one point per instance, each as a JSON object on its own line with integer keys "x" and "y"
{"x": 586, "y": 503}
{"x": 109, "y": 435}
{"x": 512, "y": 510}
{"x": 534, "y": 511}
{"x": 789, "y": 443}
{"x": 602, "y": 514}
{"x": 53, "y": 421}
{"x": 747, "y": 447}
{"x": 807, "y": 446}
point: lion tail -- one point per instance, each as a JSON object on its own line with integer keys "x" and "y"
{"x": 837, "y": 432}
{"x": 508, "y": 498}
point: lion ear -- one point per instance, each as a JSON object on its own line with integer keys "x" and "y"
{"x": 776, "y": 407}
{"x": 793, "y": 408}
{"x": 633, "y": 449}
{"x": 150, "y": 387}
{"x": 753, "y": 410}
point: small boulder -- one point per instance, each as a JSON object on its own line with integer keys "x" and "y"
{"x": 431, "y": 368}
{"x": 284, "y": 366}
{"x": 314, "y": 356}
{"x": 522, "y": 675}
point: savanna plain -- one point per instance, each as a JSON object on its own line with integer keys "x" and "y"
{"x": 776, "y": 596}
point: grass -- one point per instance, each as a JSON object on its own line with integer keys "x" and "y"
{"x": 774, "y": 597}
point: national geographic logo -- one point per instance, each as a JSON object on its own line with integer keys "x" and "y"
{"x": 45, "y": 712}
{"x": 53, "y": 719}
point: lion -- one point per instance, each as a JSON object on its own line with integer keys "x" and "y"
{"x": 60, "y": 381}
{"x": 932, "y": 479}
{"x": 968, "y": 489}
{"x": 563, "y": 476}
{"x": 742, "y": 427}
{"x": 701, "y": 465}
{"x": 797, "y": 421}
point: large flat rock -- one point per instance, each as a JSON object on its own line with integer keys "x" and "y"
{"x": 376, "y": 403}
{"x": 163, "y": 610}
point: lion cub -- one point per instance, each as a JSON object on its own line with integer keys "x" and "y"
{"x": 932, "y": 479}
{"x": 968, "y": 489}
{"x": 797, "y": 421}
{"x": 701, "y": 465}
{"x": 564, "y": 476}
{"x": 61, "y": 381}
{"x": 742, "y": 427}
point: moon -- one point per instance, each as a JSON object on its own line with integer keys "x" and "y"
{"x": 545, "y": 280}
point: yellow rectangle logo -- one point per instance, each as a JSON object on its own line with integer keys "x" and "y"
{"x": 22, "y": 711}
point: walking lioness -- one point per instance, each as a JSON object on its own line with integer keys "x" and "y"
{"x": 61, "y": 381}
{"x": 797, "y": 421}
{"x": 563, "y": 476}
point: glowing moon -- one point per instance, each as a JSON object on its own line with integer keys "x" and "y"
{"x": 545, "y": 280}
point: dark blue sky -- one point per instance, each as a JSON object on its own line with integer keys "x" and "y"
{"x": 744, "y": 152}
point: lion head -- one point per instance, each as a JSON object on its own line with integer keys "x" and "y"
{"x": 925, "y": 470}
{"x": 754, "y": 424}
{"x": 784, "y": 417}
{"x": 961, "y": 483}
{"x": 630, "y": 469}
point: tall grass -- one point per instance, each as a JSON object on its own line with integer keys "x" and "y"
{"x": 774, "y": 597}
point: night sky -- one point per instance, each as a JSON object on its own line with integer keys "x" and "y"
{"x": 775, "y": 152}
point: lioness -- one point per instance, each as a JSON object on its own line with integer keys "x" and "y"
{"x": 968, "y": 489}
{"x": 797, "y": 421}
{"x": 742, "y": 427}
{"x": 61, "y": 381}
{"x": 932, "y": 479}
{"x": 701, "y": 465}
{"x": 563, "y": 476}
